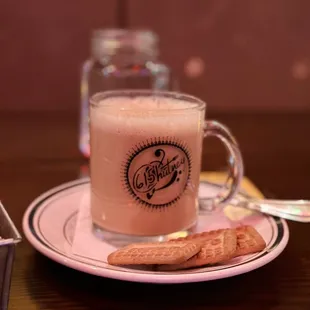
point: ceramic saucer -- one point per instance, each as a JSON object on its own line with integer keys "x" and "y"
{"x": 51, "y": 221}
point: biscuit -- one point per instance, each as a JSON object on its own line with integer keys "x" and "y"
{"x": 216, "y": 247}
{"x": 154, "y": 253}
{"x": 200, "y": 236}
{"x": 248, "y": 241}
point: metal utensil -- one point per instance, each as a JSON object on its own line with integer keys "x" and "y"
{"x": 295, "y": 210}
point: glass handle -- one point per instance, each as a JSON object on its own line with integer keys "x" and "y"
{"x": 235, "y": 163}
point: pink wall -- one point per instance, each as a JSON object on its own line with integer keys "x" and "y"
{"x": 244, "y": 55}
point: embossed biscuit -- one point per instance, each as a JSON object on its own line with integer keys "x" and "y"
{"x": 154, "y": 253}
{"x": 216, "y": 246}
{"x": 248, "y": 240}
{"x": 201, "y": 236}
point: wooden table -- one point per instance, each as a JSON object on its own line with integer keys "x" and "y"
{"x": 39, "y": 151}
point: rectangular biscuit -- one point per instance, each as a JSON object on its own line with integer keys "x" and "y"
{"x": 154, "y": 253}
{"x": 201, "y": 236}
{"x": 216, "y": 247}
{"x": 248, "y": 240}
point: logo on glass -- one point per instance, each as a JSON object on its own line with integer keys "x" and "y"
{"x": 157, "y": 171}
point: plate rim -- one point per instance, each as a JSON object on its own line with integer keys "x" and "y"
{"x": 140, "y": 277}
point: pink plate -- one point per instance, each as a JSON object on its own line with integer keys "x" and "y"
{"x": 50, "y": 221}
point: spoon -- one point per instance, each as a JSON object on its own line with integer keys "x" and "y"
{"x": 295, "y": 210}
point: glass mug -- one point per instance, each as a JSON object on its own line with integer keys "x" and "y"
{"x": 145, "y": 162}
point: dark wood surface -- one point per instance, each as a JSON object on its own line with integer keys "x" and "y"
{"x": 39, "y": 151}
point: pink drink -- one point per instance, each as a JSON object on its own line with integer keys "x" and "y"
{"x": 145, "y": 164}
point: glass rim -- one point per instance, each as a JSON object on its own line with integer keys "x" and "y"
{"x": 107, "y": 41}
{"x": 195, "y": 103}
{"x": 118, "y": 33}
